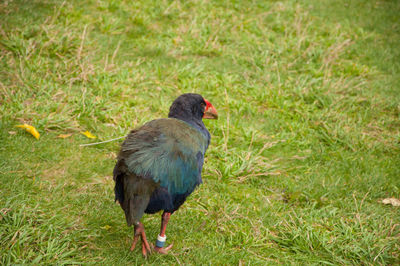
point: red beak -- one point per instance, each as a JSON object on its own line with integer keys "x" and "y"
{"x": 210, "y": 112}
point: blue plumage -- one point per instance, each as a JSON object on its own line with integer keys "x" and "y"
{"x": 170, "y": 157}
{"x": 173, "y": 158}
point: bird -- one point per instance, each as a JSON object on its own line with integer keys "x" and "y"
{"x": 160, "y": 163}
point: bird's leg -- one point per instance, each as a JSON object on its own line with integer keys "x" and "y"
{"x": 162, "y": 238}
{"x": 139, "y": 232}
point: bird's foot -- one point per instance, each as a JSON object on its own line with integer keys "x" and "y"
{"x": 139, "y": 232}
{"x": 162, "y": 250}
{"x": 145, "y": 249}
{"x": 135, "y": 240}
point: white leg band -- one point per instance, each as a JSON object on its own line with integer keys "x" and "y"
{"x": 162, "y": 238}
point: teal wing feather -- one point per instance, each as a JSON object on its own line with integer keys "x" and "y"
{"x": 169, "y": 151}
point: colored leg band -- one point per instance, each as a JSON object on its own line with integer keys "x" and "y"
{"x": 161, "y": 241}
{"x": 160, "y": 244}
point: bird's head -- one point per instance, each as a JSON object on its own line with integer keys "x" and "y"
{"x": 191, "y": 106}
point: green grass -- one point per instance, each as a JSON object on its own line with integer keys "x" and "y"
{"x": 307, "y": 144}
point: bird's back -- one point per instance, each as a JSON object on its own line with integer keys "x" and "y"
{"x": 166, "y": 156}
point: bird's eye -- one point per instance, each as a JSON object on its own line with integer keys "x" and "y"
{"x": 203, "y": 106}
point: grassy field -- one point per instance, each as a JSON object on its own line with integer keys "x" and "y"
{"x": 307, "y": 144}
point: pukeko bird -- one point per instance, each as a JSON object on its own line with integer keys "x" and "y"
{"x": 159, "y": 165}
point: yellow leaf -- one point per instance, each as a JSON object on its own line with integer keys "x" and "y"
{"x": 88, "y": 134}
{"x": 30, "y": 129}
{"x": 64, "y": 136}
{"x": 106, "y": 227}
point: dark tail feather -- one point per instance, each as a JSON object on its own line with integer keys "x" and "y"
{"x": 132, "y": 192}
{"x": 137, "y": 196}
{"x": 134, "y": 208}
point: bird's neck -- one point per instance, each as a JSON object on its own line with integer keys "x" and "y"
{"x": 196, "y": 123}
